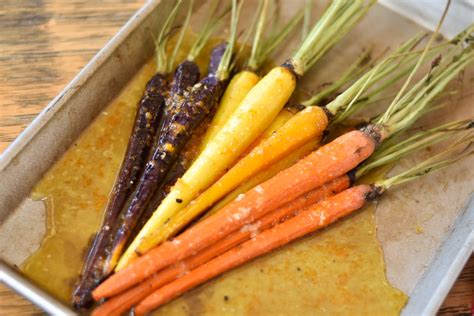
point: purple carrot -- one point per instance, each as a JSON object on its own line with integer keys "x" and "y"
{"x": 147, "y": 121}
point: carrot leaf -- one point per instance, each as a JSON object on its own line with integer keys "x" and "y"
{"x": 393, "y": 67}
{"x": 223, "y": 71}
{"x": 418, "y": 141}
{"x": 457, "y": 151}
{"x": 351, "y": 73}
{"x": 162, "y": 40}
{"x": 209, "y": 27}
{"x": 263, "y": 47}
{"x": 180, "y": 37}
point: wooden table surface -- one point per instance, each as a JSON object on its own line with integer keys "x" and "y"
{"x": 43, "y": 44}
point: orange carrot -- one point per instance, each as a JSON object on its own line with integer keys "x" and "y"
{"x": 124, "y": 301}
{"x": 310, "y": 219}
{"x": 323, "y": 165}
{"x": 306, "y": 221}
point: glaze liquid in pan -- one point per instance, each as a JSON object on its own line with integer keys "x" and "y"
{"x": 337, "y": 271}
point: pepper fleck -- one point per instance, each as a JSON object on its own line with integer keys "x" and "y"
{"x": 179, "y": 200}
{"x": 226, "y": 298}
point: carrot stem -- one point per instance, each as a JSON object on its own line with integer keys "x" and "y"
{"x": 179, "y": 41}
{"x": 308, "y": 6}
{"x": 417, "y": 142}
{"x": 351, "y": 73}
{"x": 262, "y": 47}
{"x": 384, "y": 69}
{"x": 392, "y": 106}
{"x": 160, "y": 42}
{"x": 124, "y": 301}
{"x": 223, "y": 71}
{"x": 335, "y": 23}
{"x": 209, "y": 27}
{"x": 457, "y": 151}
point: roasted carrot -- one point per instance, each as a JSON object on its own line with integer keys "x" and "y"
{"x": 264, "y": 175}
{"x": 185, "y": 76}
{"x": 282, "y": 117}
{"x": 307, "y": 221}
{"x": 245, "y": 80}
{"x": 185, "y": 112}
{"x": 255, "y": 113}
{"x": 328, "y": 162}
{"x": 173, "y": 137}
{"x": 146, "y": 126}
{"x": 285, "y": 140}
{"x": 98, "y": 264}
{"x": 176, "y": 171}
{"x": 308, "y": 124}
{"x": 310, "y": 219}
{"x": 388, "y": 154}
{"x": 121, "y": 303}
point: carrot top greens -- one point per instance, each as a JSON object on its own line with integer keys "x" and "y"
{"x": 410, "y": 106}
{"x": 223, "y": 71}
{"x": 162, "y": 63}
{"x": 306, "y": 19}
{"x": 393, "y": 106}
{"x": 351, "y": 73}
{"x": 179, "y": 41}
{"x": 455, "y": 152}
{"x": 386, "y": 73}
{"x": 262, "y": 47}
{"x": 394, "y": 149}
{"x": 337, "y": 21}
{"x": 212, "y": 21}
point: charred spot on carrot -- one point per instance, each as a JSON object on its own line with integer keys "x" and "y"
{"x": 289, "y": 65}
{"x": 374, "y": 193}
{"x": 374, "y": 132}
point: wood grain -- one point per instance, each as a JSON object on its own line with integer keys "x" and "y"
{"x": 461, "y": 297}
{"x": 13, "y": 304}
{"x": 43, "y": 44}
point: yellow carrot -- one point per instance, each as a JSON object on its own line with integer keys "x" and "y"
{"x": 278, "y": 122}
{"x": 245, "y": 80}
{"x": 258, "y": 109}
{"x": 306, "y": 125}
{"x": 199, "y": 204}
{"x": 261, "y": 105}
{"x": 236, "y": 91}
{"x": 264, "y": 175}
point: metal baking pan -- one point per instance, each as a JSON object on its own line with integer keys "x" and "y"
{"x": 422, "y": 265}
